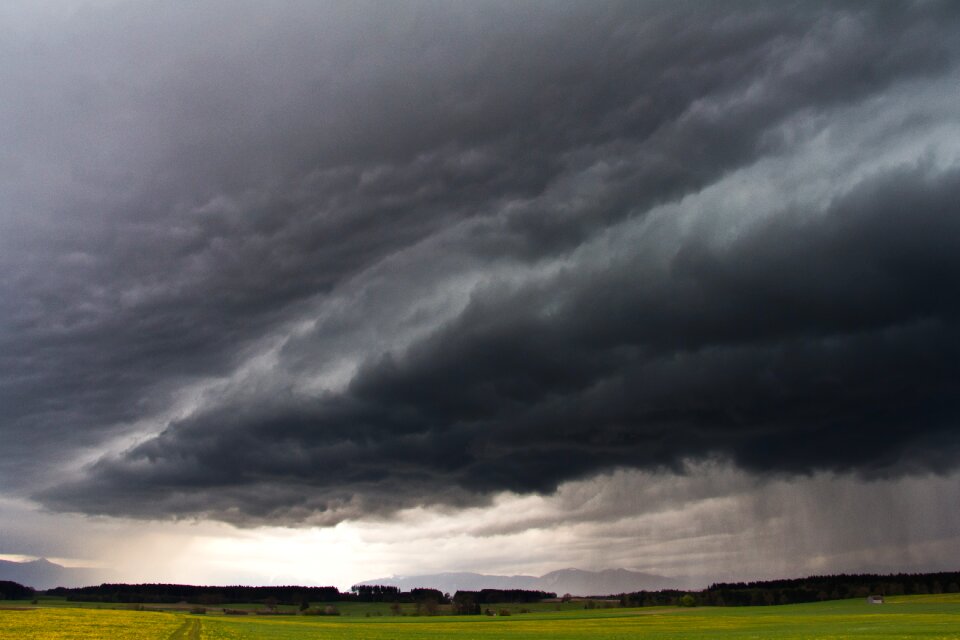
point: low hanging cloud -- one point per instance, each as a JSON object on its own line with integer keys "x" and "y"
{"x": 329, "y": 262}
{"x": 746, "y": 351}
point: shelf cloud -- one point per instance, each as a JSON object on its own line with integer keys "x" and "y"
{"x": 305, "y": 263}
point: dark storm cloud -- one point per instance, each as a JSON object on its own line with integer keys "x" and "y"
{"x": 186, "y": 186}
{"x": 806, "y": 344}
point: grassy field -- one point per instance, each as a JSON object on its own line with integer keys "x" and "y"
{"x": 902, "y": 617}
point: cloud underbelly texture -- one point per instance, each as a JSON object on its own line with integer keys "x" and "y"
{"x": 804, "y": 344}
{"x": 496, "y": 249}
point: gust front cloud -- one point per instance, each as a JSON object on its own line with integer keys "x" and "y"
{"x": 746, "y": 350}
{"x": 425, "y": 254}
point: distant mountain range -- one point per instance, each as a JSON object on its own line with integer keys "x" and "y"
{"x": 576, "y": 582}
{"x": 43, "y": 574}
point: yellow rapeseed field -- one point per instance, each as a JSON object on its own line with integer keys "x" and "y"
{"x": 87, "y": 624}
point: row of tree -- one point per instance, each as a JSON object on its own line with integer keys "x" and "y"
{"x": 770, "y": 592}
{"x": 386, "y": 593}
{"x": 15, "y": 591}
{"x": 289, "y": 595}
{"x": 170, "y": 593}
{"x": 793, "y": 591}
{"x": 470, "y": 602}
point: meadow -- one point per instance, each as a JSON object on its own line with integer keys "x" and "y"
{"x": 933, "y": 617}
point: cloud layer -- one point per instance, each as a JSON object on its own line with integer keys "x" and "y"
{"x": 314, "y": 262}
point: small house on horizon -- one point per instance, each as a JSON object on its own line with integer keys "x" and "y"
{"x": 874, "y": 599}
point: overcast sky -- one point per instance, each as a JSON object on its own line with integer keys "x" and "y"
{"x": 492, "y": 286}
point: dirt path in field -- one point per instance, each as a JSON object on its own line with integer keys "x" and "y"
{"x": 189, "y": 630}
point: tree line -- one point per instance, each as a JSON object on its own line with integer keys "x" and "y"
{"x": 470, "y": 602}
{"x": 288, "y": 595}
{"x": 759, "y": 593}
{"x": 10, "y": 590}
{"x": 798, "y": 590}
{"x": 210, "y": 595}
{"x": 387, "y": 593}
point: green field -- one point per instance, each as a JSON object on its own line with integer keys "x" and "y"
{"x": 936, "y": 616}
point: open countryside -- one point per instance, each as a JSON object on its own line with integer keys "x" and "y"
{"x": 929, "y": 616}
{"x": 479, "y": 320}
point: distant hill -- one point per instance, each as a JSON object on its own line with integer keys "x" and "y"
{"x": 573, "y": 581}
{"x": 588, "y": 583}
{"x": 42, "y": 574}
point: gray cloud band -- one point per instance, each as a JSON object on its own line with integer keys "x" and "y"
{"x": 327, "y": 181}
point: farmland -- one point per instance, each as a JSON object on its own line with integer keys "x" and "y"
{"x": 934, "y": 617}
